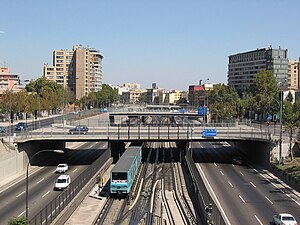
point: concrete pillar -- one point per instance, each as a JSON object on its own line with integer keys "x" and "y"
{"x": 117, "y": 149}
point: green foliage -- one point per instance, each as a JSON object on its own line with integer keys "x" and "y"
{"x": 224, "y": 102}
{"x": 18, "y": 221}
{"x": 263, "y": 92}
{"x": 143, "y": 97}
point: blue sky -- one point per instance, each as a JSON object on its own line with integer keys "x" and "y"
{"x": 173, "y": 43}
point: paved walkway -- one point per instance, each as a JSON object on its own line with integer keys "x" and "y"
{"x": 88, "y": 211}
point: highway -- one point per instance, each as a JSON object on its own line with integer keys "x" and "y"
{"x": 245, "y": 194}
{"x": 42, "y": 178}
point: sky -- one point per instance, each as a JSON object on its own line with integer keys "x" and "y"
{"x": 172, "y": 43}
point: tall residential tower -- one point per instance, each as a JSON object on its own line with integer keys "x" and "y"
{"x": 79, "y": 69}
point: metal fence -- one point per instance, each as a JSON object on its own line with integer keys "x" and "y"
{"x": 57, "y": 205}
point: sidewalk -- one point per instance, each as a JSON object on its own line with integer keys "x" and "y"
{"x": 90, "y": 208}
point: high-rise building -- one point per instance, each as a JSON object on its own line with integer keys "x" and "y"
{"x": 243, "y": 67}
{"x": 79, "y": 69}
{"x": 293, "y": 74}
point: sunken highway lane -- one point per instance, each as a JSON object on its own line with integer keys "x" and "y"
{"x": 246, "y": 195}
{"x": 42, "y": 178}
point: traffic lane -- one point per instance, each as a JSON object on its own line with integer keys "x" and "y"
{"x": 230, "y": 202}
{"x": 14, "y": 204}
{"x": 256, "y": 197}
{"x": 269, "y": 189}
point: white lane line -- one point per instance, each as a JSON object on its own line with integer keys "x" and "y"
{"x": 269, "y": 200}
{"x": 45, "y": 194}
{"x": 241, "y": 173}
{"x": 20, "y": 194}
{"x": 242, "y": 199}
{"x": 233, "y": 165}
{"x": 74, "y": 170}
{"x": 230, "y": 183}
{"x": 215, "y": 164}
{"x": 214, "y": 195}
{"x": 252, "y": 184}
{"x": 40, "y": 181}
{"x": 221, "y": 172}
{"x": 258, "y": 220}
{"x": 22, "y": 213}
{"x": 21, "y": 180}
{"x": 298, "y": 203}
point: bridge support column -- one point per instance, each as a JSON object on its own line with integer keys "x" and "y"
{"x": 183, "y": 147}
{"x": 117, "y": 149}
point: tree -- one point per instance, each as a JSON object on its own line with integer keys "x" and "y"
{"x": 18, "y": 221}
{"x": 263, "y": 92}
{"x": 143, "y": 97}
{"x": 224, "y": 102}
{"x": 291, "y": 119}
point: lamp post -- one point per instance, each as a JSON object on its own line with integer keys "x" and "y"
{"x": 48, "y": 150}
{"x": 280, "y": 122}
{"x": 192, "y": 132}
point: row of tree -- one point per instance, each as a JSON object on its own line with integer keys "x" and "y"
{"x": 45, "y": 95}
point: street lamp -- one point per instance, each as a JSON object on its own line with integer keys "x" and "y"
{"x": 47, "y": 150}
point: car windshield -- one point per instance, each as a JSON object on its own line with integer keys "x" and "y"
{"x": 61, "y": 181}
{"x": 287, "y": 218}
{"x": 61, "y": 166}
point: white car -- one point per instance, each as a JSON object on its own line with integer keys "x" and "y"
{"x": 284, "y": 219}
{"x": 62, "y": 182}
{"x": 62, "y": 168}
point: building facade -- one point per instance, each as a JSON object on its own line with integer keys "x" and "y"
{"x": 8, "y": 81}
{"x": 79, "y": 70}
{"x": 243, "y": 67}
{"x": 293, "y": 74}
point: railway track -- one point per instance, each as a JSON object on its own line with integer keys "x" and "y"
{"x": 158, "y": 195}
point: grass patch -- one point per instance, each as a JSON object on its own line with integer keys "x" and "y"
{"x": 291, "y": 167}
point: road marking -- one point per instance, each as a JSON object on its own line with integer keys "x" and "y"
{"x": 278, "y": 187}
{"x": 22, "y": 213}
{"x": 221, "y": 172}
{"x": 241, "y": 173}
{"x": 214, "y": 195}
{"x": 20, "y": 194}
{"x": 230, "y": 184}
{"x": 21, "y": 179}
{"x": 258, "y": 220}
{"x": 45, "y": 194}
{"x": 40, "y": 181}
{"x": 233, "y": 165}
{"x": 242, "y": 199}
{"x": 269, "y": 200}
{"x": 215, "y": 164}
{"x": 74, "y": 170}
{"x": 252, "y": 184}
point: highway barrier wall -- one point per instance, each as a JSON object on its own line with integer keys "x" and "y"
{"x": 208, "y": 210}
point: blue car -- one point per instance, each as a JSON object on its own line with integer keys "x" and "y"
{"x": 21, "y": 126}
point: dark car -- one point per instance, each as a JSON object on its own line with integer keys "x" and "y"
{"x": 2, "y": 129}
{"x": 80, "y": 129}
{"x": 21, "y": 126}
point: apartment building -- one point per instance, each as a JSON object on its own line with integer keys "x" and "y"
{"x": 79, "y": 69}
{"x": 243, "y": 67}
{"x": 293, "y": 74}
{"x": 132, "y": 96}
{"x": 8, "y": 81}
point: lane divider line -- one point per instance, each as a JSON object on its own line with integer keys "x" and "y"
{"x": 20, "y": 194}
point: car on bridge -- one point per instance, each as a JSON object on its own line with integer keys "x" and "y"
{"x": 80, "y": 129}
{"x": 21, "y": 126}
{"x": 2, "y": 129}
